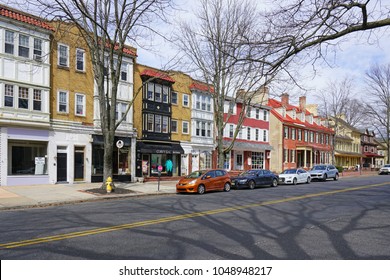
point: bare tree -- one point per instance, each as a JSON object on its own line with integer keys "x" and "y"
{"x": 377, "y": 102}
{"x": 107, "y": 26}
{"x": 212, "y": 45}
{"x": 237, "y": 48}
{"x": 336, "y": 104}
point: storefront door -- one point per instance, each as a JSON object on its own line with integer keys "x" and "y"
{"x": 79, "y": 164}
{"x": 61, "y": 167}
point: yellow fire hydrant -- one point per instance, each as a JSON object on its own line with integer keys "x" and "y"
{"x": 109, "y": 184}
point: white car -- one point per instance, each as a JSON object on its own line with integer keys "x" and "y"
{"x": 385, "y": 169}
{"x": 294, "y": 176}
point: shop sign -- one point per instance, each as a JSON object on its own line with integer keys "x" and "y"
{"x": 39, "y": 160}
{"x": 119, "y": 144}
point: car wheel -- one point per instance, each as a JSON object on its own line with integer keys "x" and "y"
{"x": 201, "y": 189}
{"x": 336, "y": 177}
{"x": 226, "y": 188}
{"x": 325, "y": 177}
{"x": 308, "y": 180}
{"x": 274, "y": 183}
{"x": 251, "y": 185}
{"x": 295, "y": 181}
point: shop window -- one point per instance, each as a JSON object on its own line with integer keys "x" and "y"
{"x": 257, "y": 160}
{"x": 205, "y": 160}
{"x": 27, "y": 158}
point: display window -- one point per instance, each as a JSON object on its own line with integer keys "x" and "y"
{"x": 27, "y": 158}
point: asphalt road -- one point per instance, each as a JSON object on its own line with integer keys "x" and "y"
{"x": 347, "y": 219}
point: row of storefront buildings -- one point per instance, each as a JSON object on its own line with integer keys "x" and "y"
{"x": 50, "y": 124}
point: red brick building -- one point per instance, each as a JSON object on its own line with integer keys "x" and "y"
{"x": 251, "y": 148}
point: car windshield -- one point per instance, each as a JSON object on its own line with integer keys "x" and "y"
{"x": 289, "y": 171}
{"x": 196, "y": 174}
{"x": 248, "y": 173}
{"x": 386, "y": 165}
{"x": 319, "y": 167}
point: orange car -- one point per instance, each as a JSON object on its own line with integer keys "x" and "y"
{"x": 205, "y": 180}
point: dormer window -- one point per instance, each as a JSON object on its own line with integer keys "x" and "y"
{"x": 294, "y": 114}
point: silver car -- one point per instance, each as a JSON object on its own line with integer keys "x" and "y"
{"x": 324, "y": 172}
{"x": 385, "y": 169}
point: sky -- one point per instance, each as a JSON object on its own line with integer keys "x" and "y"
{"x": 352, "y": 58}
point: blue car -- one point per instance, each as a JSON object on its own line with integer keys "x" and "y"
{"x": 255, "y": 178}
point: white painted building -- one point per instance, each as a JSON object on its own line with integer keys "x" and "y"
{"x": 202, "y": 126}
{"x": 24, "y": 99}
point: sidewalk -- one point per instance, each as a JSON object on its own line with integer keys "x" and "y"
{"x": 18, "y": 197}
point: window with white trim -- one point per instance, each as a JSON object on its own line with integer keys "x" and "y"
{"x": 150, "y": 92}
{"x": 265, "y": 135}
{"x": 63, "y": 55}
{"x": 37, "y": 100}
{"x": 23, "y": 98}
{"x": 121, "y": 109}
{"x": 124, "y": 70}
{"x": 9, "y": 42}
{"x": 63, "y": 101}
{"x": 157, "y": 123}
{"x": 8, "y": 96}
{"x": 174, "y": 98}
{"x": 165, "y": 94}
{"x": 37, "y": 53}
{"x": 80, "y": 60}
{"x": 150, "y": 122}
{"x": 165, "y": 127}
{"x": 186, "y": 101}
{"x": 158, "y": 93}
{"x": 257, "y": 160}
{"x": 185, "y": 127}
{"x": 79, "y": 104}
{"x": 231, "y": 131}
{"x": 24, "y": 48}
{"x": 174, "y": 126}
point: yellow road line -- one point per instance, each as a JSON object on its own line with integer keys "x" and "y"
{"x": 70, "y": 235}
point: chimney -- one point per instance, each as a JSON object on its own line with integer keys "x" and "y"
{"x": 284, "y": 99}
{"x": 302, "y": 103}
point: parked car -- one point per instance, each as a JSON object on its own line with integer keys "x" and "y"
{"x": 385, "y": 169}
{"x": 294, "y": 176}
{"x": 202, "y": 181}
{"x": 324, "y": 172}
{"x": 255, "y": 178}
